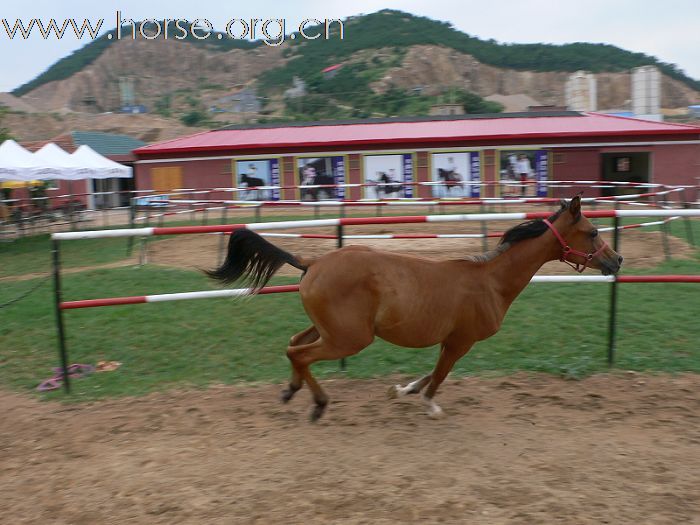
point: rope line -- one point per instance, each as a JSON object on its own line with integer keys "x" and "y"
{"x": 26, "y": 294}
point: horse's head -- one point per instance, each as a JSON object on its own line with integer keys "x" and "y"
{"x": 581, "y": 245}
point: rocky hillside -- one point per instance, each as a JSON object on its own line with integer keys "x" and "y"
{"x": 44, "y": 126}
{"x": 157, "y": 68}
{"x": 436, "y": 67}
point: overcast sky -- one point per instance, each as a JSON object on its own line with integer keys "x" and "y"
{"x": 668, "y": 30}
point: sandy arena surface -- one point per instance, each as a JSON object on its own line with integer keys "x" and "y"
{"x": 520, "y": 449}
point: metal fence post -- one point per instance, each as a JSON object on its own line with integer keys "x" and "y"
{"x": 613, "y": 299}
{"x": 63, "y": 352}
{"x": 664, "y": 240}
{"x": 688, "y": 225}
{"x": 132, "y": 223}
{"x": 484, "y": 232}
{"x": 339, "y": 244}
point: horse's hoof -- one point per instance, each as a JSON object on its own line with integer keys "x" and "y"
{"x": 286, "y": 395}
{"x": 393, "y": 392}
{"x": 436, "y": 413}
{"x": 317, "y": 412}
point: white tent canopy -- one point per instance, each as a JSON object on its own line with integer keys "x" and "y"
{"x": 63, "y": 163}
{"x": 19, "y": 164}
{"x": 51, "y": 162}
{"x": 102, "y": 167}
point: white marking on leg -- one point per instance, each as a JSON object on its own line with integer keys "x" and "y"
{"x": 400, "y": 391}
{"x": 409, "y": 388}
{"x": 434, "y": 410}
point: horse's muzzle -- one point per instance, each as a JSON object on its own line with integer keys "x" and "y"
{"x": 611, "y": 266}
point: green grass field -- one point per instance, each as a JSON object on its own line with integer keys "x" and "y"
{"x": 554, "y": 328}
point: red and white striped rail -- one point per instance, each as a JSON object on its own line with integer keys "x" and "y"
{"x": 406, "y": 201}
{"x": 356, "y": 221}
{"x": 385, "y": 236}
{"x": 207, "y": 294}
{"x": 440, "y": 235}
{"x": 554, "y": 183}
{"x": 216, "y": 294}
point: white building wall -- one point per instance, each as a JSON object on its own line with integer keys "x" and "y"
{"x": 646, "y": 91}
{"x": 582, "y": 92}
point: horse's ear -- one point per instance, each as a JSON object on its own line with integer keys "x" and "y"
{"x": 575, "y": 207}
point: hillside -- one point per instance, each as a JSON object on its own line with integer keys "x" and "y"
{"x": 425, "y": 62}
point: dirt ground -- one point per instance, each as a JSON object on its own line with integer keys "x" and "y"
{"x": 524, "y": 449}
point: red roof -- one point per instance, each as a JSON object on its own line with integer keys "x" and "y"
{"x": 570, "y": 125}
{"x": 331, "y": 68}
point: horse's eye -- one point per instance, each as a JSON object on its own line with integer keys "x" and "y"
{"x": 594, "y": 234}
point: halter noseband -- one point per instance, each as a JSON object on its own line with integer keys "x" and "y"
{"x": 568, "y": 250}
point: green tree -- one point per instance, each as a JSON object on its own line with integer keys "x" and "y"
{"x": 195, "y": 117}
{"x": 4, "y": 132}
{"x": 473, "y": 103}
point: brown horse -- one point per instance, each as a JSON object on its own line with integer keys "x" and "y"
{"x": 356, "y": 293}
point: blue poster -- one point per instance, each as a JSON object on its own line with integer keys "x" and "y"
{"x": 275, "y": 178}
{"x": 408, "y": 175}
{"x": 339, "y": 175}
{"x": 541, "y": 172}
{"x": 475, "y": 174}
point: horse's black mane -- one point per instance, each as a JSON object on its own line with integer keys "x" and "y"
{"x": 530, "y": 229}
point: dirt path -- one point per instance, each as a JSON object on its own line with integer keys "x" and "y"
{"x": 64, "y": 271}
{"x": 518, "y": 450}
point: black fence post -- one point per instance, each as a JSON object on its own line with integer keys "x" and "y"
{"x": 339, "y": 244}
{"x": 63, "y": 352}
{"x": 688, "y": 225}
{"x": 613, "y": 299}
{"x": 132, "y": 223}
{"x": 484, "y": 232}
{"x": 664, "y": 240}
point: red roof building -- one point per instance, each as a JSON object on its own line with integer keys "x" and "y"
{"x": 334, "y": 67}
{"x": 561, "y": 145}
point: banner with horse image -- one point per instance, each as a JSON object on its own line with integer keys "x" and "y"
{"x": 257, "y": 173}
{"x": 388, "y": 176}
{"x": 321, "y": 171}
{"x": 458, "y": 174}
{"x": 524, "y": 173}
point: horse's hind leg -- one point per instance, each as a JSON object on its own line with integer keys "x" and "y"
{"x": 304, "y": 337}
{"x": 304, "y": 355}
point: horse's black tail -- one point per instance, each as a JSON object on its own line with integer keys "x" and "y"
{"x": 253, "y": 258}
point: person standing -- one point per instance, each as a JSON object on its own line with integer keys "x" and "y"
{"x": 524, "y": 170}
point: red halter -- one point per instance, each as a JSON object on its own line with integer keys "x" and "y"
{"x": 568, "y": 250}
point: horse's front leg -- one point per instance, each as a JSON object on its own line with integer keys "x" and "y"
{"x": 450, "y": 353}
{"x": 413, "y": 387}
